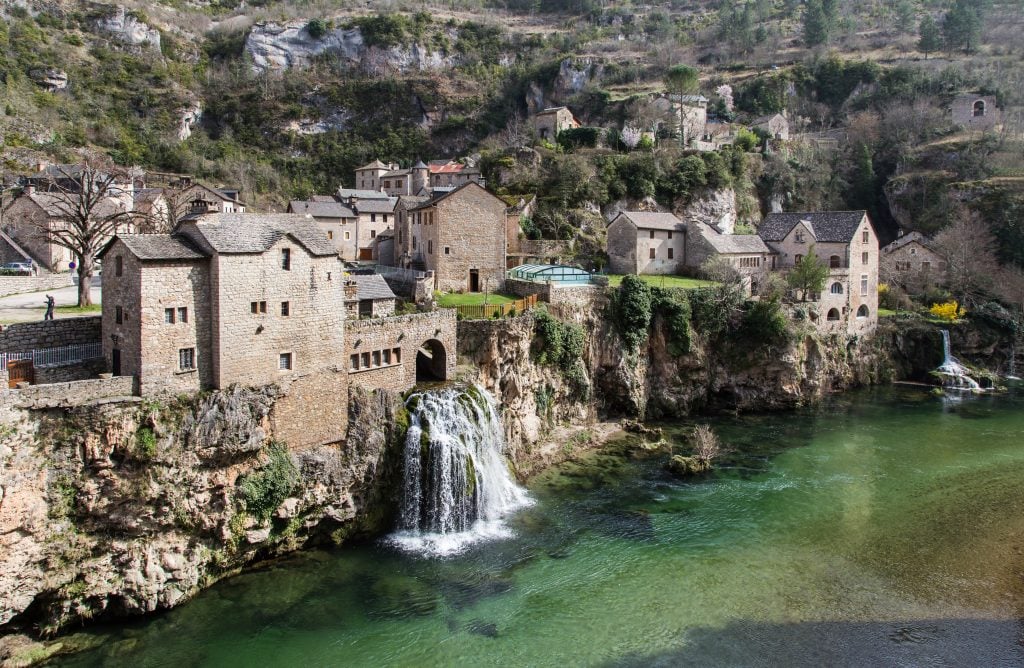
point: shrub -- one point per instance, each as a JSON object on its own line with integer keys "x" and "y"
{"x": 764, "y": 323}
{"x": 262, "y": 491}
{"x": 580, "y": 137}
{"x": 633, "y": 311}
{"x": 145, "y": 443}
{"x": 561, "y": 344}
{"x": 317, "y": 28}
{"x": 950, "y": 311}
{"x": 673, "y": 308}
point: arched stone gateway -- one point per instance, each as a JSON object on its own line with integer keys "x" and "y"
{"x": 431, "y": 361}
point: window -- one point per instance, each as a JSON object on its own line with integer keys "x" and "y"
{"x": 330, "y": 234}
{"x": 286, "y": 259}
{"x": 670, "y": 234}
{"x": 186, "y": 359}
{"x": 373, "y": 218}
{"x": 447, "y": 250}
{"x": 833, "y": 314}
{"x": 348, "y": 235}
{"x": 118, "y": 314}
{"x": 926, "y": 266}
{"x": 862, "y": 312}
{"x": 864, "y": 236}
{"x": 671, "y": 254}
{"x": 364, "y": 360}
{"x": 182, "y": 314}
{"x": 913, "y": 251}
{"x": 353, "y": 362}
{"x": 397, "y": 352}
{"x": 285, "y": 309}
{"x": 118, "y": 265}
{"x": 376, "y": 358}
{"x": 373, "y": 234}
{"x": 258, "y": 307}
{"x": 902, "y": 266}
{"x": 797, "y": 258}
{"x": 169, "y": 316}
{"x": 414, "y": 243}
{"x": 284, "y": 361}
{"x": 430, "y": 247}
{"x": 387, "y": 357}
{"x": 385, "y": 217}
{"x": 942, "y": 266}
{"x": 652, "y": 234}
{"x": 979, "y": 108}
{"x": 864, "y": 257}
{"x": 799, "y": 236}
{"x": 863, "y": 285}
{"x": 652, "y": 253}
{"x": 837, "y": 289}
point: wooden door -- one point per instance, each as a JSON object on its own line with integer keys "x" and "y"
{"x": 20, "y": 371}
{"x": 115, "y": 361}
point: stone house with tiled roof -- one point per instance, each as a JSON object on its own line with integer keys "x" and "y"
{"x": 338, "y": 222}
{"x": 373, "y": 216}
{"x": 641, "y": 242}
{"x": 847, "y": 242}
{"x": 747, "y": 253}
{"x": 459, "y": 235}
{"x": 553, "y": 120}
{"x": 912, "y": 262}
{"x": 368, "y": 296}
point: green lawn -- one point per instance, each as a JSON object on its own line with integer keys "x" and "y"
{"x": 445, "y": 300}
{"x": 664, "y": 281}
{"x": 885, "y": 313}
{"x": 71, "y": 310}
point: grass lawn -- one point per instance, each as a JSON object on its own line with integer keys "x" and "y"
{"x": 664, "y": 281}
{"x": 77, "y": 310}
{"x": 470, "y": 299}
{"x": 885, "y": 313}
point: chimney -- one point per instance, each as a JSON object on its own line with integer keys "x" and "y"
{"x": 351, "y": 289}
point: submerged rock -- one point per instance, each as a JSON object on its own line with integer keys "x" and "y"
{"x": 683, "y": 467}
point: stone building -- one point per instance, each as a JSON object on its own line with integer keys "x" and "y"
{"x": 747, "y": 253}
{"x": 226, "y": 298}
{"x": 373, "y": 216}
{"x": 419, "y": 179}
{"x": 775, "y": 126}
{"x": 549, "y": 122}
{"x": 975, "y": 112}
{"x": 912, "y": 263}
{"x": 336, "y": 220}
{"x": 646, "y": 243}
{"x": 219, "y": 200}
{"x": 847, "y": 242}
{"x": 368, "y": 296}
{"x": 459, "y": 235}
{"x": 452, "y": 174}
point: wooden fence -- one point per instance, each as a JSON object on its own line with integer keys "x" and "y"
{"x": 488, "y": 311}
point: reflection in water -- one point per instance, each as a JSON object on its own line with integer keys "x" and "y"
{"x": 881, "y": 529}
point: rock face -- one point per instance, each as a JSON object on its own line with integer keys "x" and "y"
{"x": 127, "y": 508}
{"x": 50, "y": 79}
{"x": 187, "y": 119}
{"x": 127, "y": 29}
{"x": 716, "y": 208}
{"x": 274, "y": 47}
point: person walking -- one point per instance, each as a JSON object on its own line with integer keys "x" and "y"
{"x": 50, "y": 303}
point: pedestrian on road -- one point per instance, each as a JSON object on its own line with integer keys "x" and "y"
{"x": 50, "y": 303}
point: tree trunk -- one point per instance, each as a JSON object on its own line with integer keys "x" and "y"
{"x": 84, "y": 279}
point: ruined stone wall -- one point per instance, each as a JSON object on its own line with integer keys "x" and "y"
{"x": 27, "y": 336}
{"x": 13, "y": 285}
{"x": 371, "y": 360}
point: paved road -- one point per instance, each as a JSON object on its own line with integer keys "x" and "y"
{"x": 31, "y": 306}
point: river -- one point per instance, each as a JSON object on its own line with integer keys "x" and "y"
{"x": 879, "y": 528}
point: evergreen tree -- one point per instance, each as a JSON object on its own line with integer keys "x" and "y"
{"x": 904, "y": 16}
{"x": 929, "y": 38}
{"x": 808, "y": 275}
{"x": 961, "y": 27}
{"x": 815, "y": 24}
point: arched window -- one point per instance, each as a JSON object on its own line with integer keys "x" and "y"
{"x": 835, "y": 262}
{"x": 837, "y": 288}
{"x": 979, "y": 108}
{"x": 833, "y": 314}
{"x": 862, "y": 312}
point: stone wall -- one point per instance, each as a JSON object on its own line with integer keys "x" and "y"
{"x": 371, "y": 358}
{"x": 573, "y": 294}
{"x": 13, "y": 285}
{"x": 63, "y": 373}
{"x": 469, "y": 235}
{"x": 312, "y": 410}
{"x": 962, "y": 110}
{"x": 622, "y": 257}
{"x": 28, "y": 336}
{"x": 63, "y": 395}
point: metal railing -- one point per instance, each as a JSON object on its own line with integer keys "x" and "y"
{"x": 398, "y": 272}
{"x": 54, "y": 356}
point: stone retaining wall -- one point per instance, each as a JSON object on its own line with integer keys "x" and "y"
{"x": 27, "y": 336}
{"x": 63, "y": 373}
{"x": 13, "y": 285}
{"x": 553, "y": 293}
{"x": 74, "y": 393}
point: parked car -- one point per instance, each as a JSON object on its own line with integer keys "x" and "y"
{"x": 20, "y": 268}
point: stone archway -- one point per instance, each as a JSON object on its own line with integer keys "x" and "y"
{"x": 431, "y": 361}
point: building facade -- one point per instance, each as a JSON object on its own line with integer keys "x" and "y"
{"x": 975, "y": 112}
{"x": 912, "y": 263}
{"x": 646, "y": 243}
{"x": 553, "y": 120}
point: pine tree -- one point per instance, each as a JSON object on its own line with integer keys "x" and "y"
{"x": 961, "y": 27}
{"x": 904, "y": 16}
{"x": 815, "y": 24}
{"x": 930, "y": 39}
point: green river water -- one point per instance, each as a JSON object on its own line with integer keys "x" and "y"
{"x": 881, "y": 528}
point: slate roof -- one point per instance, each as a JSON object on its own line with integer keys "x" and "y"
{"x": 353, "y": 193}
{"x": 376, "y": 205}
{"x": 158, "y": 247}
{"x": 236, "y": 233}
{"x": 438, "y": 194}
{"x": 371, "y": 286}
{"x": 321, "y": 209}
{"x": 376, "y": 164}
{"x": 732, "y": 244}
{"x": 908, "y": 238}
{"x": 828, "y": 226}
{"x": 396, "y": 172}
{"x": 647, "y": 220}
{"x": 57, "y": 204}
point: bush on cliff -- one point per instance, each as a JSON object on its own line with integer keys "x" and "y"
{"x": 561, "y": 344}
{"x": 633, "y": 311}
{"x": 262, "y": 491}
{"x": 673, "y": 308}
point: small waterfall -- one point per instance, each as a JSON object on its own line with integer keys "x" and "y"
{"x": 456, "y": 488}
{"x": 954, "y": 375}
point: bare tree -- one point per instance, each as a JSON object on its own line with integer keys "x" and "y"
{"x": 91, "y": 205}
{"x": 706, "y": 446}
{"x": 970, "y": 251}
{"x": 516, "y": 133}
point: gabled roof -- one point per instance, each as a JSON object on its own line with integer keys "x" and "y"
{"x": 762, "y": 120}
{"x": 648, "y": 220}
{"x": 376, "y": 164}
{"x": 371, "y": 286}
{"x": 396, "y": 172}
{"x": 438, "y": 195}
{"x": 909, "y": 238}
{"x": 353, "y": 193}
{"x": 321, "y": 209}
{"x": 732, "y": 244}
{"x": 56, "y": 205}
{"x": 157, "y": 247}
{"x": 828, "y": 226}
{"x": 688, "y": 98}
{"x": 235, "y": 233}
{"x": 216, "y": 192}
{"x": 451, "y": 167}
{"x": 376, "y": 205}
{"x": 551, "y": 110}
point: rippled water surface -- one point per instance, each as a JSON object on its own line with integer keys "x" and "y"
{"x": 883, "y": 528}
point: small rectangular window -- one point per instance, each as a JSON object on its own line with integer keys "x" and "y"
{"x": 364, "y": 361}
{"x": 353, "y": 362}
{"x": 863, "y": 285}
{"x": 330, "y": 234}
{"x": 671, "y": 252}
{"x": 373, "y": 218}
{"x": 373, "y": 234}
{"x": 169, "y": 316}
{"x": 118, "y": 265}
{"x": 670, "y": 234}
{"x": 652, "y": 234}
{"x": 186, "y": 359}
{"x": 651, "y": 253}
{"x": 284, "y": 362}
{"x": 348, "y": 235}
{"x": 118, "y": 315}
{"x": 387, "y": 357}
{"x": 376, "y": 358}
{"x": 864, "y": 258}
{"x": 385, "y": 217}
{"x": 182, "y": 314}
{"x": 285, "y": 309}
{"x": 263, "y": 307}
{"x": 397, "y": 352}
{"x": 864, "y": 236}
{"x": 926, "y": 266}
{"x": 430, "y": 247}
{"x": 254, "y": 307}
{"x": 286, "y": 259}
{"x": 447, "y": 250}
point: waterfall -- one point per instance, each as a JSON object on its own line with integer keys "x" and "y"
{"x": 954, "y": 375}
{"x": 456, "y": 488}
